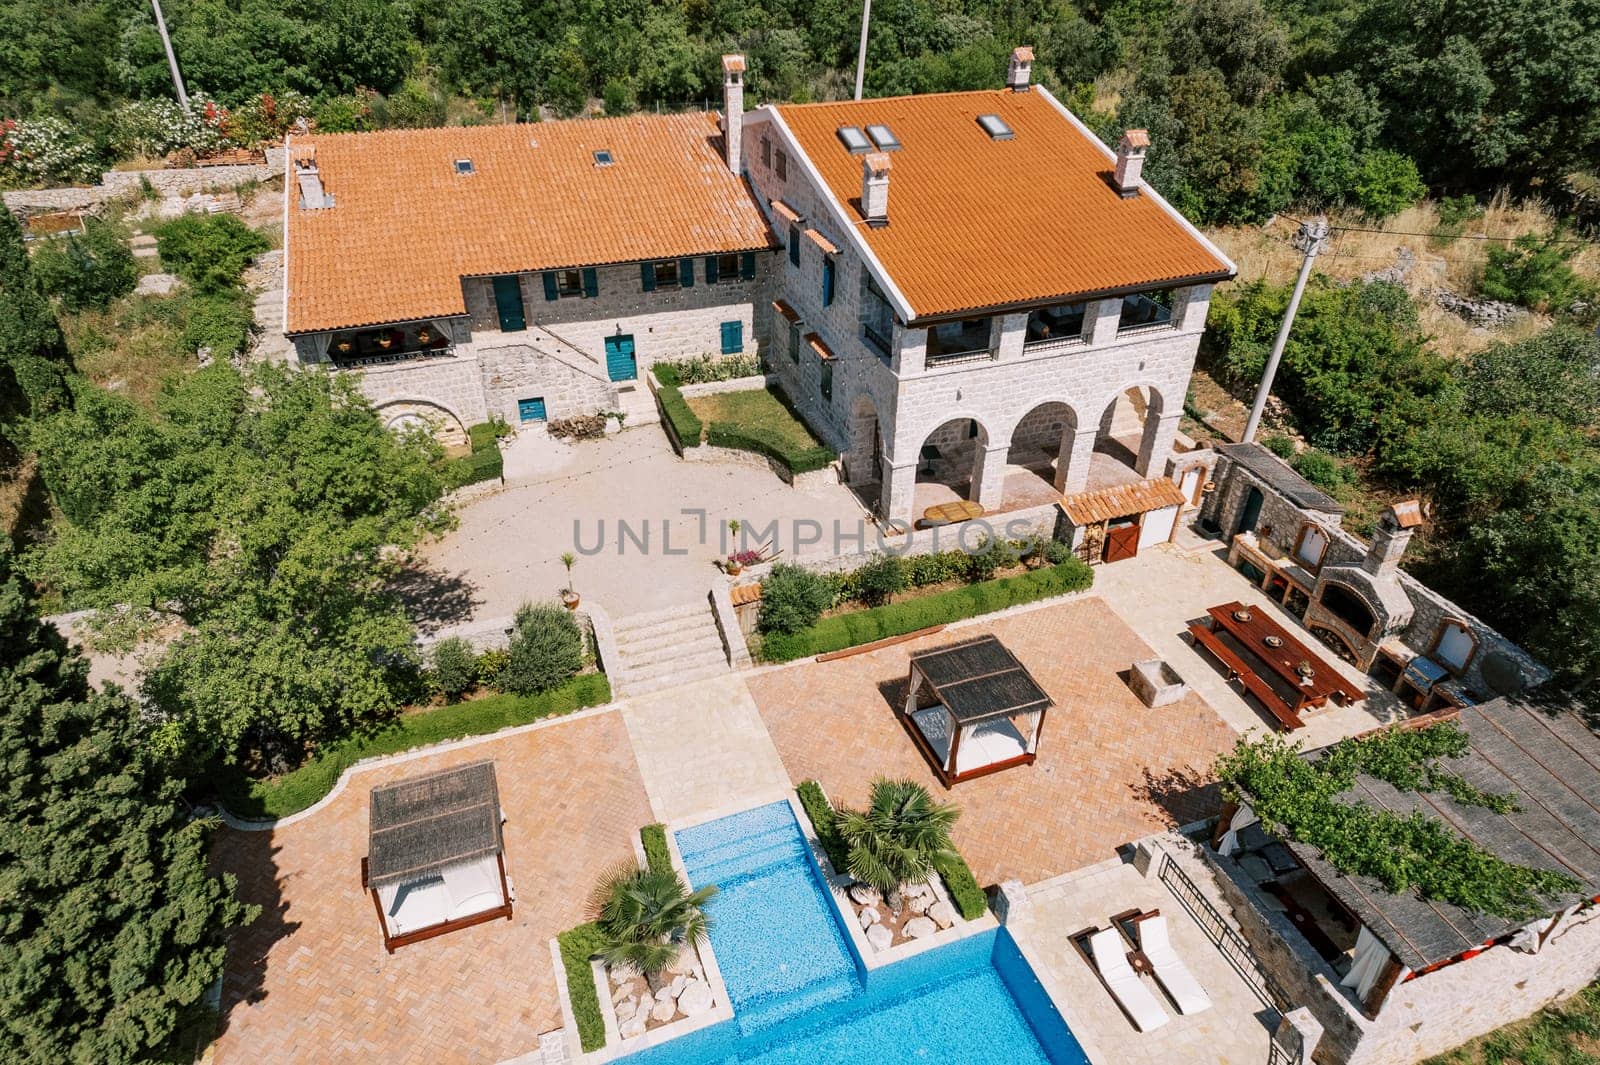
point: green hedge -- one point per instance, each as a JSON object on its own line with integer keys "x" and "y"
{"x": 484, "y": 464}
{"x": 299, "y": 789}
{"x": 897, "y": 619}
{"x": 656, "y": 853}
{"x": 964, "y": 891}
{"x": 578, "y": 945}
{"x": 685, "y": 422}
{"x": 820, "y": 811}
{"x": 754, "y": 438}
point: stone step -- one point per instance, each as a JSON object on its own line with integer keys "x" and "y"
{"x": 691, "y": 630}
{"x": 674, "y": 659}
{"x": 676, "y": 678}
{"x": 652, "y": 618}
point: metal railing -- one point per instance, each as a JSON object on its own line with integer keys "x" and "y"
{"x": 953, "y": 358}
{"x": 394, "y": 358}
{"x": 1147, "y": 327}
{"x": 1223, "y": 936}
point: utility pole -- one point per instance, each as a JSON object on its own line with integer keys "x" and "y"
{"x": 861, "y": 56}
{"x": 172, "y": 57}
{"x": 1309, "y": 240}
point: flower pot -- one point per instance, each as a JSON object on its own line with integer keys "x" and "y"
{"x": 569, "y": 600}
{"x": 733, "y": 569}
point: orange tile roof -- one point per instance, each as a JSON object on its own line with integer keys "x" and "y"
{"x": 1120, "y": 501}
{"x": 822, "y": 242}
{"x": 976, "y": 223}
{"x": 745, "y": 593}
{"x": 788, "y": 312}
{"x": 405, "y": 228}
{"x": 823, "y": 351}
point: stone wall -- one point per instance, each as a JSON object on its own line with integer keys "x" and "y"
{"x": 452, "y": 384}
{"x": 514, "y": 371}
{"x": 116, "y": 183}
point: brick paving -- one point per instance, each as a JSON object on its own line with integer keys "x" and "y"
{"x": 310, "y": 981}
{"x": 1110, "y": 770}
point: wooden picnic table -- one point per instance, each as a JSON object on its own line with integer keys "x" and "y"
{"x": 1258, "y": 634}
{"x": 951, "y": 513}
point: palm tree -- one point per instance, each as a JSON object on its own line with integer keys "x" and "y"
{"x": 897, "y": 839}
{"x": 648, "y": 916}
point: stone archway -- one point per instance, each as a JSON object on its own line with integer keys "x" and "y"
{"x": 1046, "y": 443}
{"x": 1135, "y": 434}
{"x": 410, "y": 414}
{"x": 951, "y": 463}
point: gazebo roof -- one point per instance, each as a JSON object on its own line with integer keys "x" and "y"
{"x": 428, "y": 823}
{"x": 979, "y": 679}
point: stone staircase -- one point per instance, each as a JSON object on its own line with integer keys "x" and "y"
{"x": 665, "y": 648}
{"x": 635, "y": 400}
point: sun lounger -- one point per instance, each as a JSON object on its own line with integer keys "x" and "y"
{"x": 1180, "y": 984}
{"x": 1109, "y": 957}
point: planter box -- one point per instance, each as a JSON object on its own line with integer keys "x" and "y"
{"x": 1156, "y": 683}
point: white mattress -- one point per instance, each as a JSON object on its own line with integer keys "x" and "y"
{"x": 985, "y": 743}
{"x": 459, "y": 891}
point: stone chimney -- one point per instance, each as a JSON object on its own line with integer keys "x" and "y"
{"x": 1130, "y": 162}
{"x": 1019, "y": 69}
{"x": 1390, "y": 537}
{"x": 733, "y": 108}
{"x": 875, "y": 189}
{"x": 312, "y": 195}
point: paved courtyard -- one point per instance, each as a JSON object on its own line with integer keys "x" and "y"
{"x": 310, "y": 981}
{"x": 1109, "y": 769}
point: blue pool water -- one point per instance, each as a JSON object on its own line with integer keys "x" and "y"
{"x": 801, "y": 996}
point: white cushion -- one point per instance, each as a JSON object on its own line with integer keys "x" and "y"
{"x": 1169, "y": 968}
{"x": 1110, "y": 957}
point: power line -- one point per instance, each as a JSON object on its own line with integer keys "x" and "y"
{"x": 1439, "y": 234}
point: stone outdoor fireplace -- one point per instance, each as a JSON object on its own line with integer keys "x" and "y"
{"x": 1356, "y": 607}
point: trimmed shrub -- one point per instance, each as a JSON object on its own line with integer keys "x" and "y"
{"x": 294, "y": 791}
{"x": 685, "y": 423}
{"x": 792, "y": 598}
{"x": 821, "y": 812}
{"x": 1056, "y": 552}
{"x": 969, "y": 899}
{"x": 491, "y": 664}
{"x": 923, "y": 570}
{"x": 897, "y": 619}
{"x": 546, "y": 649}
{"x": 209, "y": 250}
{"x": 656, "y": 853}
{"x": 484, "y": 464}
{"x": 455, "y": 667}
{"x": 578, "y": 945}
{"x": 88, "y": 269}
{"x": 754, "y": 438}
{"x": 878, "y": 581}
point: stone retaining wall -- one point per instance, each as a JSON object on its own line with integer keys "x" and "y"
{"x": 115, "y": 183}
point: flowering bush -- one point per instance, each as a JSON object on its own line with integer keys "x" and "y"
{"x": 156, "y": 127}
{"x": 45, "y": 149}
{"x": 266, "y": 117}
{"x": 745, "y": 558}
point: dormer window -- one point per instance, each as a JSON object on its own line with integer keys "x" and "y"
{"x": 464, "y": 167}
{"x": 603, "y": 157}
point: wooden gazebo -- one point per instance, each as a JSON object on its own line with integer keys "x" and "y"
{"x": 436, "y": 858}
{"x": 973, "y": 709}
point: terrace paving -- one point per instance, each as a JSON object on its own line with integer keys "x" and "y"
{"x": 310, "y": 981}
{"x": 1109, "y": 769}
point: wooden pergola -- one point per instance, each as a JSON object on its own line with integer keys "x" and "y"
{"x": 436, "y": 858}
{"x": 973, "y": 709}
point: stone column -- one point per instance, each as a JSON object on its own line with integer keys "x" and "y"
{"x": 1156, "y": 444}
{"x": 912, "y": 356}
{"x": 989, "y": 474}
{"x": 1192, "y": 303}
{"x": 898, "y": 492}
{"x": 1297, "y": 1035}
{"x": 1072, "y": 466}
{"x": 1007, "y": 335}
{"x": 1100, "y": 320}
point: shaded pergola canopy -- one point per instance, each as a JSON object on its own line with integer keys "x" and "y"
{"x": 979, "y": 679}
{"x": 972, "y": 709}
{"x": 423, "y": 826}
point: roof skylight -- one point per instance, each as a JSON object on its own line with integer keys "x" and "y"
{"x": 996, "y": 127}
{"x": 883, "y": 137}
{"x": 854, "y": 140}
{"x": 464, "y": 166}
{"x": 603, "y": 157}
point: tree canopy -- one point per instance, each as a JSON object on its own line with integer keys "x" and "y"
{"x": 113, "y": 927}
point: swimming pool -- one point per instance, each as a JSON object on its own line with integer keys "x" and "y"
{"x": 801, "y": 996}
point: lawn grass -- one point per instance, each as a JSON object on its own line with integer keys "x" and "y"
{"x": 1568, "y": 1034}
{"x": 294, "y": 791}
{"x": 758, "y": 409}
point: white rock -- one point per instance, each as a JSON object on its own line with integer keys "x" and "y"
{"x": 684, "y": 964}
{"x": 627, "y": 1008}
{"x": 869, "y": 917}
{"x": 920, "y": 928}
{"x": 919, "y": 904}
{"x": 677, "y": 985}
{"x": 880, "y": 937}
{"x": 696, "y": 998}
{"x": 916, "y": 891}
{"x": 665, "y": 994}
{"x": 621, "y": 974}
{"x": 942, "y": 914}
{"x": 155, "y": 285}
{"x": 665, "y": 1010}
{"x": 620, "y": 992}
{"x": 633, "y": 1027}
{"x": 864, "y": 895}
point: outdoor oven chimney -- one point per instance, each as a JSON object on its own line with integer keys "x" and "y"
{"x": 1019, "y": 69}
{"x": 875, "y": 189}
{"x": 1390, "y": 537}
{"x": 312, "y": 195}
{"x": 1130, "y": 162}
{"x": 733, "y": 108}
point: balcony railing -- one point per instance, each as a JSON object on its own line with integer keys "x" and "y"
{"x": 878, "y": 341}
{"x": 1147, "y": 327}
{"x": 1046, "y": 345}
{"x": 955, "y": 358}
{"x": 391, "y": 358}
{"x": 1227, "y": 939}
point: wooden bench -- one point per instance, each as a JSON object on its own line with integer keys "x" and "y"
{"x": 1240, "y": 671}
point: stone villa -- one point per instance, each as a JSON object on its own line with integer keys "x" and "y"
{"x": 940, "y": 284}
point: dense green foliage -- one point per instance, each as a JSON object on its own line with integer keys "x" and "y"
{"x": 683, "y": 421}
{"x": 657, "y": 856}
{"x": 648, "y": 916}
{"x": 821, "y": 813}
{"x": 704, "y": 369}
{"x": 970, "y": 900}
{"x": 899, "y": 836}
{"x": 878, "y": 581}
{"x": 88, "y": 269}
{"x": 210, "y": 251}
{"x": 296, "y": 790}
{"x": 1306, "y": 800}
{"x": 774, "y": 446}
{"x": 546, "y": 649}
{"x": 578, "y": 945}
{"x": 262, "y": 515}
{"x": 114, "y": 926}
{"x": 1533, "y": 271}
{"x": 33, "y": 353}
{"x": 792, "y": 599}
{"x": 484, "y": 463}
{"x": 453, "y": 667}
{"x": 864, "y": 626}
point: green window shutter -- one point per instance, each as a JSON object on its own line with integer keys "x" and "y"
{"x": 647, "y": 276}
{"x": 794, "y": 245}
{"x": 591, "y": 283}
{"x": 686, "y": 273}
{"x": 551, "y": 292}
{"x": 827, "y": 281}
{"x": 747, "y": 265}
{"x": 711, "y": 269}
{"x": 732, "y": 338}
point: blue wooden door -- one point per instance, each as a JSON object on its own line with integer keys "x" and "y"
{"x": 620, "y": 363}
{"x": 531, "y": 410}
{"x": 508, "y": 304}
